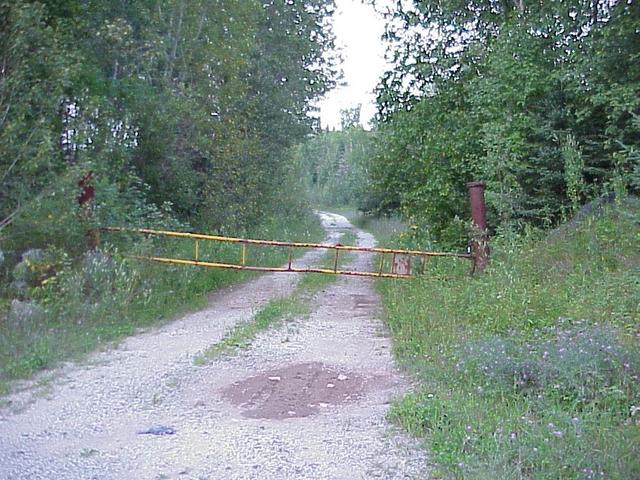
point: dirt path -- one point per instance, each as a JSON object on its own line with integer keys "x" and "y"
{"x": 306, "y": 401}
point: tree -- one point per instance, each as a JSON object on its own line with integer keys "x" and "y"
{"x": 193, "y": 103}
{"x": 520, "y": 94}
{"x": 350, "y": 117}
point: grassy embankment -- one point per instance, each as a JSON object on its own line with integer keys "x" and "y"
{"x": 298, "y": 305}
{"x": 104, "y": 298}
{"x": 530, "y": 370}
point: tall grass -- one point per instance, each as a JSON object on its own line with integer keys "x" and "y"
{"x": 530, "y": 370}
{"x": 107, "y": 296}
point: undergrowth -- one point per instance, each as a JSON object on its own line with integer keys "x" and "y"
{"x": 295, "y": 306}
{"x": 530, "y": 370}
{"x": 106, "y": 296}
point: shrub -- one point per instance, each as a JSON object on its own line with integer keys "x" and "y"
{"x": 573, "y": 361}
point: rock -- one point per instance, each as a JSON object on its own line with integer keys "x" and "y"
{"x": 1, "y": 257}
{"x": 25, "y": 312}
{"x": 35, "y": 266}
{"x": 591, "y": 209}
{"x": 158, "y": 430}
{"x": 35, "y": 255}
{"x": 18, "y": 288}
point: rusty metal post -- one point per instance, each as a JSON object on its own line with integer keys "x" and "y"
{"x": 480, "y": 240}
{"x": 85, "y": 197}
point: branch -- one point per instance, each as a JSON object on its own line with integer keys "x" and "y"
{"x": 7, "y": 221}
{"x": 17, "y": 158}
{"x": 174, "y": 48}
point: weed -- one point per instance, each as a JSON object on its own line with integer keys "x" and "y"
{"x": 531, "y": 369}
{"x": 105, "y": 296}
{"x": 274, "y": 313}
{"x": 576, "y": 363}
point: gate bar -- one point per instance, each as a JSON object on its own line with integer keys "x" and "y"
{"x": 231, "y": 266}
{"x": 275, "y": 243}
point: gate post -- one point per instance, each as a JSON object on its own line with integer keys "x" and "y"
{"x": 87, "y": 194}
{"x": 480, "y": 240}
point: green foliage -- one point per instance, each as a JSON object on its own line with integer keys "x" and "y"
{"x": 200, "y": 101}
{"x": 531, "y": 369}
{"x": 334, "y": 164}
{"x": 104, "y": 296}
{"x": 184, "y": 114}
{"x": 573, "y": 172}
{"x": 431, "y": 151}
{"x": 532, "y": 99}
{"x": 37, "y": 70}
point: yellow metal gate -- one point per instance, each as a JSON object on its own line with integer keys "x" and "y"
{"x": 393, "y": 263}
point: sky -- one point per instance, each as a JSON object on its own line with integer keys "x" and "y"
{"x": 358, "y": 29}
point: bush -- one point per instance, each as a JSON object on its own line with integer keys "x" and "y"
{"x": 530, "y": 370}
{"x": 103, "y": 295}
{"x": 573, "y": 361}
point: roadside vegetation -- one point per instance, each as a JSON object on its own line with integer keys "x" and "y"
{"x": 532, "y": 369}
{"x": 105, "y": 296}
{"x": 540, "y": 100}
{"x": 161, "y": 114}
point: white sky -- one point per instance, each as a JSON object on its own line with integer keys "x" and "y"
{"x": 358, "y": 29}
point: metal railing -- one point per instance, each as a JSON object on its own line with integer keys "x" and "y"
{"x": 399, "y": 266}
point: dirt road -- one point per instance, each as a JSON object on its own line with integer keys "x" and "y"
{"x": 305, "y": 401}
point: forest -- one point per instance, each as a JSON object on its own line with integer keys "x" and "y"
{"x": 177, "y": 108}
{"x": 203, "y": 116}
{"x": 537, "y": 99}
{"x": 170, "y": 114}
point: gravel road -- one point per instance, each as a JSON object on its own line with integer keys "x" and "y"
{"x": 306, "y": 401}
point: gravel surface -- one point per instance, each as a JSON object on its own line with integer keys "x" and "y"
{"x": 306, "y": 401}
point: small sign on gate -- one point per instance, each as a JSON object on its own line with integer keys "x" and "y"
{"x": 401, "y": 264}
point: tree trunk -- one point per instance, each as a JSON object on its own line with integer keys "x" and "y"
{"x": 174, "y": 48}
